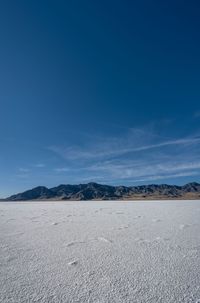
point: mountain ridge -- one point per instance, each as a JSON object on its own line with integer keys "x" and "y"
{"x": 96, "y": 191}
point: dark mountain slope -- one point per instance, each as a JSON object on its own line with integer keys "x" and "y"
{"x": 94, "y": 191}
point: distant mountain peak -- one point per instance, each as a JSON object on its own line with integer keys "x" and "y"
{"x": 95, "y": 191}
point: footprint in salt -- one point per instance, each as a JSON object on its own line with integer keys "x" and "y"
{"x": 54, "y": 223}
{"x": 160, "y": 240}
{"x": 34, "y": 218}
{"x": 73, "y": 263}
{"x": 104, "y": 240}
{"x": 156, "y": 220}
{"x": 141, "y": 240}
{"x": 123, "y": 227}
{"x": 166, "y": 239}
{"x": 137, "y": 217}
{"x": 74, "y": 243}
{"x": 10, "y": 220}
{"x": 101, "y": 209}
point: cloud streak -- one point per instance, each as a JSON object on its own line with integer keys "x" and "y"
{"x": 136, "y": 157}
{"x": 24, "y": 170}
{"x": 39, "y": 165}
{"x": 62, "y": 169}
{"x": 75, "y": 153}
{"x": 165, "y": 177}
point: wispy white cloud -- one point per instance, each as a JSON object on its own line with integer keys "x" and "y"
{"x": 39, "y": 165}
{"x": 24, "y": 170}
{"x": 144, "y": 169}
{"x": 110, "y": 149}
{"x": 137, "y": 156}
{"x": 61, "y": 169}
{"x": 92, "y": 179}
{"x": 165, "y": 177}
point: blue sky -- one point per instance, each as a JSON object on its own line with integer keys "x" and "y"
{"x": 104, "y": 91}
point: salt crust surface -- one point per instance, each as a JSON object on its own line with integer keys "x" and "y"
{"x": 108, "y": 251}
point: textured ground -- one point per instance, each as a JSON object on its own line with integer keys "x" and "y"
{"x": 100, "y": 252}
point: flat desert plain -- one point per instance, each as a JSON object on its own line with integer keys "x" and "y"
{"x": 100, "y": 251}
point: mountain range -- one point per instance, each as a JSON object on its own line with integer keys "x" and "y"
{"x": 95, "y": 191}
